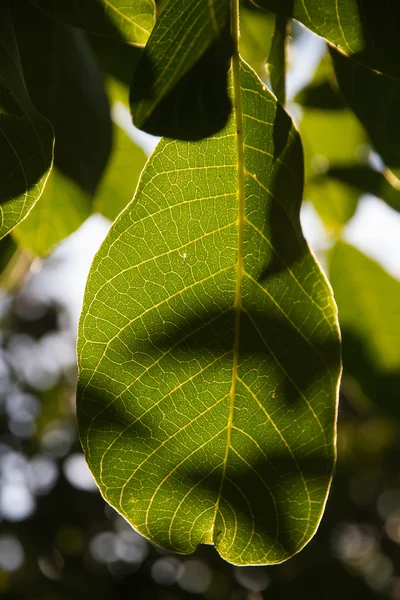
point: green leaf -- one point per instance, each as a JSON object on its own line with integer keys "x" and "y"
{"x": 332, "y": 138}
{"x": 368, "y": 303}
{"x": 208, "y": 345}
{"x": 125, "y": 20}
{"x": 115, "y": 60}
{"x": 62, "y": 208}
{"x": 277, "y": 59}
{"x": 256, "y": 30}
{"x": 68, "y": 89}
{"x": 26, "y": 137}
{"x": 367, "y": 181}
{"x": 375, "y": 99}
{"x": 367, "y": 31}
{"x": 119, "y": 182}
{"x": 15, "y": 265}
{"x": 179, "y": 85}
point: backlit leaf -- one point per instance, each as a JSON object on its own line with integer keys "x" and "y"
{"x": 62, "y": 208}
{"x": 179, "y": 85}
{"x": 277, "y": 59}
{"x": 375, "y": 99}
{"x": 68, "y": 89}
{"x": 126, "y": 20}
{"x": 332, "y": 138}
{"x": 368, "y": 31}
{"x": 208, "y": 345}
{"x": 26, "y": 137}
{"x": 367, "y": 181}
{"x": 256, "y": 30}
{"x": 368, "y": 303}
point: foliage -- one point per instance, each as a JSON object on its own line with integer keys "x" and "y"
{"x": 208, "y": 347}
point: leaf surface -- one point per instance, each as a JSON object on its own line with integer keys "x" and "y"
{"x": 368, "y": 303}
{"x": 26, "y": 137}
{"x": 179, "y": 85}
{"x": 277, "y": 59}
{"x": 367, "y": 31}
{"x": 208, "y": 345}
{"x": 68, "y": 89}
{"x": 367, "y": 181}
{"x": 126, "y": 20}
{"x": 256, "y": 31}
{"x": 375, "y": 99}
{"x": 332, "y": 138}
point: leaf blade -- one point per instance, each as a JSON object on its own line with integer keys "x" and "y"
{"x": 367, "y": 298}
{"x": 366, "y": 31}
{"x": 125, "y": 21}
{"x": 166, "y": 350}
{"x": 179, "y": 84}
{"x": 68, "y": 90}
{"x": 374, "y": 98}
{"x": 27, "y": 137}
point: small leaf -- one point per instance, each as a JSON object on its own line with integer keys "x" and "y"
{"x": 62, "y": 208}
{"x": 367, "y": 181}
{"x": 332, "y": 138}
{"x": 368, "y": 303}
{"x": 208, "y": 345}
{"x": 367, "y": 31}
{"x": 68, "y": 89}
{"x": 124, "y": 20}
{"x": 256, "y": 30}
{"x": 119, "y": 181}
{"x": 179, "y": 85}
{"x": 26, "y": 137}
{"x": 375, "y": 99}
{"x": 277, "y": 59}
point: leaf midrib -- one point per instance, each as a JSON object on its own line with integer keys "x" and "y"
{"x": 237, "y": 108}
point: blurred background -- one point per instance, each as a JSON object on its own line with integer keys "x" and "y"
{"x": 59, "y": 539}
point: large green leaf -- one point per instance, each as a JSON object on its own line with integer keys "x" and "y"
{"x": 368, "y": 31}
{"x": 127, "y": 20}
{"x": 179, "y": 85}
{"x": 375, "y": 99}
{"x": 26, "y": 137}
{"x": 208, "y": 345}
{"x": 368, "y": 302}
{"x": 67, "y": 87}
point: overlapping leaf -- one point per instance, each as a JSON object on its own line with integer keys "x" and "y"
{"x": 277, "y": 59}
{"x": 126, "y": 20}
{"x": 332, "y": 139}
{"x": 375, "y": 99}
{"x": 368, "y": 302}
{"x": 179, "y": 85}
{"x": 367, "y": 31}
{"x": 208, "y": 346}
{"x": 256, "y": 31}
{"x": 366, "y": 180}
{"x": 26, "y": 137}
{"x": 67, "y": 87}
